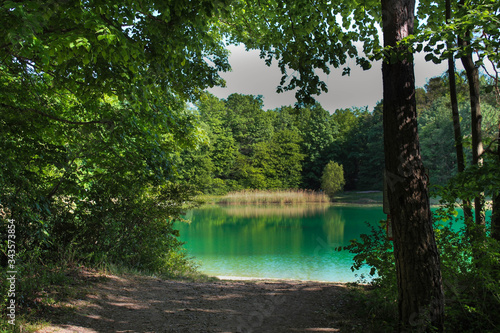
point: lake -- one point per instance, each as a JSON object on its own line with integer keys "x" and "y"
{"x": 283, "y": 242}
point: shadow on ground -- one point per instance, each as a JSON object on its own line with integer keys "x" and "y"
{"x": 145, "y": 304}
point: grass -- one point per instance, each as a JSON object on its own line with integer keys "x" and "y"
{"x": 263, "y": 197}
{"x": 361, "y": 197}
{"x": 368, "y": 197}
{"x": 249, "y": 197}
{"x": 42, "y": 290}
{"x": 269, "y": 197}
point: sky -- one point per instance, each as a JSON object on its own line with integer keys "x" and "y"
{"x": 251, "y": 76}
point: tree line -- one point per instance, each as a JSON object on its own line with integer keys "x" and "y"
{"x": 285, "y": 148}
{"x": 247, "y": 147}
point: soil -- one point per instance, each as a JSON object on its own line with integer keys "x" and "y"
{"x": 112, "y": 303}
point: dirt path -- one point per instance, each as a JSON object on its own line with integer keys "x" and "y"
{"x": 144, "y": 304}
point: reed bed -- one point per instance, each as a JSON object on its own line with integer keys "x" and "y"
{"x": 259, "y": 197}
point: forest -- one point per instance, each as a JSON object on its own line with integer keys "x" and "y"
{"x": 107, "y": 135}
{"x": 288, "y": 148}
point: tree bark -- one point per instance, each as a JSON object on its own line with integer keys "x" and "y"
{"x": 495, "y": 216}
{"x": 456, "y": 118}
{"x": 455, "y": 115}
{"x": 472, "y": 72}
{"x": 477, "y": 144}
{"x": 420, "y": 288}
{"x": 454, "y": 101}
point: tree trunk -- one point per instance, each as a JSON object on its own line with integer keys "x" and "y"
{"x": 456, "y": 119}
{"x": 454, "y": 101}
{"x": 472, "y": 72}
{"x": 421, "y": 298}
{"x": 455, "y": 115}
{"x": 477, "y": 144}
{"x": 495, "y": 216}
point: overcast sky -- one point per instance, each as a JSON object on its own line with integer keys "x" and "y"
{"x": 251, "y": 76}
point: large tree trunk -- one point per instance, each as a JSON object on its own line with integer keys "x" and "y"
{"x": 456, "y": 118}
{"x": 421, "y": 298}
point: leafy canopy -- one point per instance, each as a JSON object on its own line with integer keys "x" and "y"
{"x": 92, "y": 118}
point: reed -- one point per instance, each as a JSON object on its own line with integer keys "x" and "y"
{"x": 273, "y": 197}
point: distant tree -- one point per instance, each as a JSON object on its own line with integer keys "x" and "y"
{"x": 247, "y": 146}
{"x": 347, "y": 143}
{"x": 282, "y": 164}
{"x": 318, "y": 136}
{"x": 332, "y": 180}
{"x": 369, "y": 138}
{"x": 437, "y": 144}
{"x": 222, "y": 145}
{"x": 247, "y": 121}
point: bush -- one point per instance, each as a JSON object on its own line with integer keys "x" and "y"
{"x": 471, "y": 285}
{"x": 332, "y": 179}
{"x": 376, "y": 251}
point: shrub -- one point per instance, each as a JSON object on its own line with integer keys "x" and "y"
{"x": 332, "y": 179}
{"x": 471, "y": 285}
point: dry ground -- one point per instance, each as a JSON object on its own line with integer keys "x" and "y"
{"x": 144, "y": 304}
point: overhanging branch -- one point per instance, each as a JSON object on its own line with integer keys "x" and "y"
{"x": 109, "y": 122}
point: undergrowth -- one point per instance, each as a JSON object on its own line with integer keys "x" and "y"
{"x": 472, "y": 292}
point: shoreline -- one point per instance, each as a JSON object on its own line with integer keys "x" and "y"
{"x": 277, "y": 280}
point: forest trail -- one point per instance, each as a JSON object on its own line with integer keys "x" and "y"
{"x": 145, "y": 304}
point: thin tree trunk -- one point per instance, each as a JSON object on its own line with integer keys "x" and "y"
{"x": 421, "y": 298}
{"x": 477, "y": 144}
{"x": 495, "y": 216}
{"x": 455, "y": 115}
{"x": 456, "y": 118}
{"x": 472, "y": 72}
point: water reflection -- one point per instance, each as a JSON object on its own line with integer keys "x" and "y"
{"x": 295, "y": 242}
{"x": 276, "y": 210}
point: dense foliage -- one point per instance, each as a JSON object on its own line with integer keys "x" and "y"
{"x": 285, "y": 148}
{"x": 436, "y": 125}
{"x": 251, "y": 148}
{"x": 92, "y": 119}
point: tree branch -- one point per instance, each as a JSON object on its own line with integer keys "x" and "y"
{"x": 488, "y": 149}
{"x": 109, "y": 122}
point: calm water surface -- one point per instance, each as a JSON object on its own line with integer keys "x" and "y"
{"x": 286, "y": 242}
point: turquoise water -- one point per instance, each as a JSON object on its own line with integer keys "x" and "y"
{"x": 284, "y": 242}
